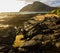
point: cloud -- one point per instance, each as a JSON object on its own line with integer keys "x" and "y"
{"x": 29, "y": 0}
{"x": 11, "y": 5}
{"x": 53, "y": 3}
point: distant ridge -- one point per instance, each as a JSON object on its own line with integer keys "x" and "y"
{"x": 36, "y": 7}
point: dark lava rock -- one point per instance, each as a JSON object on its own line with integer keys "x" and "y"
{"x": 41, "y": 36}
{"x": 7, "y": 37}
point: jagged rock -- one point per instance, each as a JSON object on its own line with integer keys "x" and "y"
{"x": 43, "y": 34}
{"x": 40, "y": 35}
{"x": 7, "y": 37}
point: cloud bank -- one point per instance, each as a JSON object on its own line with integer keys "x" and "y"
{"x": 53, "y": 3}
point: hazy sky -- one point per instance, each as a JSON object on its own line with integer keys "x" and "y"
{"x": 16, "y": 5}
{"x": 11, "y": 5}
{"x": 53, "y": 3}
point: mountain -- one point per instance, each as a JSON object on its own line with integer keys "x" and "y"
{"x": 37, "y": 6}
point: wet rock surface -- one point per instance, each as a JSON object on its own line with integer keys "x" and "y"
{"x": 40, "y": 35}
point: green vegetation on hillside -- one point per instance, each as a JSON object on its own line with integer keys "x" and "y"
{"x": 56, "y": 11}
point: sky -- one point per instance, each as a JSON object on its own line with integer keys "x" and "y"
{"x": 16, "y": 5}
{"x": 11, "y": 5}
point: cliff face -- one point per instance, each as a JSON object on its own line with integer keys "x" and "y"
{"x": 37, "y": 6}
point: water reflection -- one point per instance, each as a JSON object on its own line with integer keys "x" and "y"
{"x": 2, "y": 20}
{"x": 1, "y": 17}
{"x": 1, "y": 25}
